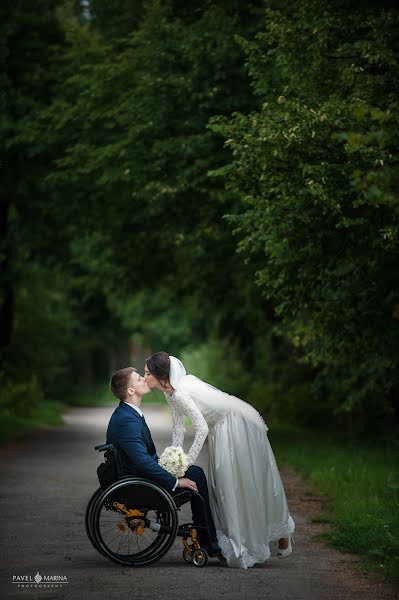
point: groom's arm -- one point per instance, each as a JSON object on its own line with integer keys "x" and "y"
{"x": 132, "y": 443}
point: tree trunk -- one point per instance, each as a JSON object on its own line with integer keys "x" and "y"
{"x": 6, "y": 290}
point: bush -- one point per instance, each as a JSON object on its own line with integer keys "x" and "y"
{"x": 217, "y": 362}
{"x": 20, "y": 399}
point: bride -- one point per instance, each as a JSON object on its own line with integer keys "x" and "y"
{"x": 247, "y": 496}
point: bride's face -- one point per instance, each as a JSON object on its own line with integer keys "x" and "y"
{"x": 152, "y": 381}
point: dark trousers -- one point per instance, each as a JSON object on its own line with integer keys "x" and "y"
{"x": 200, "y": 516}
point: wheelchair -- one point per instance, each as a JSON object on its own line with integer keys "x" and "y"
{"x": 134, "y": 522}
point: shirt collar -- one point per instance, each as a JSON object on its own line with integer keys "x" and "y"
{"x": 135, "y": 408}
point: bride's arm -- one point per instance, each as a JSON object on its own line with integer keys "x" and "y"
{"x": 186, "y": 405}
{"x": 178, "y": 429}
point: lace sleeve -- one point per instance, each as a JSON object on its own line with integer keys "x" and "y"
{"x": 185, "y": 405}
{"x": 178, "y": 429}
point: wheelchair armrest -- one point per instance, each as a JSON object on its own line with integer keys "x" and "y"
{"x": 103, "y": 447}
{"x": 184, "y": 496}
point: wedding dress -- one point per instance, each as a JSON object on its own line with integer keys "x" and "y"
{"x": 246, "y": 493}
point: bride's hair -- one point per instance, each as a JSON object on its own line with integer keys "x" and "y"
{"x": 159, "y": 365}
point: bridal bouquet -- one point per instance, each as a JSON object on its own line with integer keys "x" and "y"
{"x": 174, "y": 460}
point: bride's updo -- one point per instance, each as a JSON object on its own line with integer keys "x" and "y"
{"x": 159, "y": 365}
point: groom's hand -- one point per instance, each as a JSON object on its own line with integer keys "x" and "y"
{"x": 188, "y": 484}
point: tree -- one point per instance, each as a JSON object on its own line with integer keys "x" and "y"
{"x": 316, "y": 171}
{"x": 137, "y": 153}
{"x": 31, "y": 42}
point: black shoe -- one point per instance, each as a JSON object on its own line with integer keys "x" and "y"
{"x": 213, "y": 549}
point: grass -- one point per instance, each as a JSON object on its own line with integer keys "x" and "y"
{"x": 14, "y": 426}
{"x": 361, "y": 484}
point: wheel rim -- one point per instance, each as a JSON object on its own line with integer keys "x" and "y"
{"x": 126, "y": 539}
{"x": 89, "y": 524}
{"x": 187, "y": 557}
{"x": 200, "y": 557}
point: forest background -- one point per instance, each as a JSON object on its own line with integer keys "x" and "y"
{"x": 217, "y": 179}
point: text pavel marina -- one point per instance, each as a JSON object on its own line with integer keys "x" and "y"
{"x": 39, "y": 580}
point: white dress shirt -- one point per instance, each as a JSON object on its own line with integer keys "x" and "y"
{"x": 135, "y": 408}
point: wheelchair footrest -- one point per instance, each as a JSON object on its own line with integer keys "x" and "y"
{"x": 185, "y": 529}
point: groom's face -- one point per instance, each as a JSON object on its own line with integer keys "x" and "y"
{"x": 138, "y": 384}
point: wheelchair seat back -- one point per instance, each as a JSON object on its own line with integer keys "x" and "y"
{"x": 111, "y": 470}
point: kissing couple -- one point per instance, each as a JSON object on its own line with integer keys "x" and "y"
{"x": 245, "y": 503}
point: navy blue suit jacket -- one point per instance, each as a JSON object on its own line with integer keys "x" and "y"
{"x": 129, "y": 432}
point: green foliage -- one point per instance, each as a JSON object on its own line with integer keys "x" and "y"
{"x": 116, "y": 232}
{"x": 20, "y": 399}
{"x": 98, "y": 395}
{"x": 157, "y": 319}
{"x": 280, "y": 397}
{"x": 138, "y": 152}
{"x": 361, "y": 487}
{"x": 115, "y": 19}
{"x": 316, "y": 171}
{"x": 101, "y": 395}
{"x": 118, "y": 149}
{"x": 23, "y": 407}
{"x": 45, "y": 328}
{"x": 220, "y": 364}
{"x": 35, "y": 321}
{"x": 44, "y": 414}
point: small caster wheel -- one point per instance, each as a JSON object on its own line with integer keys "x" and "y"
{"x": 187, "y": 556}
{"x": 200, "y": 557}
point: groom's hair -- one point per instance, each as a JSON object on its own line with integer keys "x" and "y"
{"x": 120, "y": 382}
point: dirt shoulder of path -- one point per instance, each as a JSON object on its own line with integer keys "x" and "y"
{"x": 347, "y": 567}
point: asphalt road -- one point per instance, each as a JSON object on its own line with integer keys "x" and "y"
{"x": 46, "y": 481}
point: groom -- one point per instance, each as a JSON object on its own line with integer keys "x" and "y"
{"x": 128, "y": 431}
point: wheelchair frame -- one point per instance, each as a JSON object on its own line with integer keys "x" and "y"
{"x": 134, "y": 521}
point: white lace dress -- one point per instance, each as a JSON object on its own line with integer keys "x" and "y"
{"x": 246, "y": 493}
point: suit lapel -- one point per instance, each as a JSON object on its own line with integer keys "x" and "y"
{"x": 141, "y": 420}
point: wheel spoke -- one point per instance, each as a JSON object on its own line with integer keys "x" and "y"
{"x": 147, "y": 544}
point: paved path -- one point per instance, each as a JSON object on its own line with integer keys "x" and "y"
{"x": 46, "y": 481}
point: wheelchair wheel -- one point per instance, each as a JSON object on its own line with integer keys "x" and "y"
{"x": 89, "y": 519}
{"x": 134, "y": 522}
{"x": 187, "y": 557}
{"x": 200, "y": 557}
{"x": 89, "y": 522}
